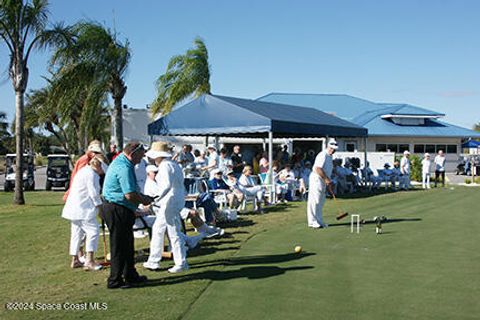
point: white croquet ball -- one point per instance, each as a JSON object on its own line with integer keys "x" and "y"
{"x": 108, "y": 256}
{"x": 298, "y": 249}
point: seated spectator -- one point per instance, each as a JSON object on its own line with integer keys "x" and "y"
{"x": 304, "y": 177}
{"x": 286, "y": 183}
{"x": 250, "y": 188}
{"x": 185, "y": 157}
{"x": 233, "y": 185}
{"x": 370, "y": 176}
{"x": 218, "y": 184}
{"x": 212, "y": 160}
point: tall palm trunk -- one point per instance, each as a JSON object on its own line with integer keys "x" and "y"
{"x": 118, "y": 123}
{"x": 19, "y": 136}
{"x": 118, "y": 90}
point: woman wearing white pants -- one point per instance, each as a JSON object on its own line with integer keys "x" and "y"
{"x": 169, "y": 201}
{"x": 426, "y": 171}
{"x": 81, "y": 209}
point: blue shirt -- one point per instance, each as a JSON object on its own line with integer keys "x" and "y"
{"x": 217, "y": 184}
{"x": 119, "y": 180}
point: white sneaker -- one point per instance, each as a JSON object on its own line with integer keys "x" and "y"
{"x": 81, "y": 259}
{"x": 178, "y": 269}
{"x": 151, "y": 265}
{"x": 221, "y": 232}
{"x": 211, "y": 232}
{"x": 139, "y": 234}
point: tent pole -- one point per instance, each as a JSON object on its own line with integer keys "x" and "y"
{"x": 206, "y": 142}
{"x": 270, "y": 166}
{"x": 365, "y": 159}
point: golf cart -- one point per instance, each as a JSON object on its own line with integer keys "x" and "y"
{"x": 58, "y": 171}
{"x": 28, "y": 172}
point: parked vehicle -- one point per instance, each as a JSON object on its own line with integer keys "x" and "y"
{"x": 58, "y": 171}
{"x": 28, "y": 172}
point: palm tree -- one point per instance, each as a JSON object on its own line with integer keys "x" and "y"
{"x": 99, "y": 48}
{"x": 476, "y": 126}
{"x": 4, "y": 134}
{"x": 186, "y": 75}
{"x": 23, "y": 28}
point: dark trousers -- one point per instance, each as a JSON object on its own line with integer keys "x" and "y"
{"x": 440, "y": 174}
{"x": 119, "y": 221}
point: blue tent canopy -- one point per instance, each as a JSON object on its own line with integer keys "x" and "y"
{"x": 211, "y": 115}
{"x": 471, "y": 144}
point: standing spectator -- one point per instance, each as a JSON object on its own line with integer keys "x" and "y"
{"x": 237, "y": 161}
{"x": 319, "y": 182}
{"x": 440, "y": 167}
{"x": 94, "y": 148}
{"x": 285, "y": 155}
{"x": 224, "y": 162}
{"x": 170, "y": 200}
{"x": 263, "y": 163}
{"x": 426, "y": 171}
{"x": 122, "y": 199}
{"x": 141, "y": 174}
{"x": 212, "y": 161}
{"x": 81, "y": 209}
{"x": 113, "y": 153}
{"x": 405, "y": 171}
{"x": 185, "y": 157}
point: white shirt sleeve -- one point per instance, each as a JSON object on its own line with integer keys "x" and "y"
{"x": 319, "y": 160}
{"x": 164, "y": 181}
{"x": 93, "y": 188}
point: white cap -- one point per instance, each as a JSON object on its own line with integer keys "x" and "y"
{"x": 152, "y": 168}
{"x": 211, "y": 146}
{"x": 95, "y": 148}
{"x": 406, "y": 152}
{"x": 332, "y": 143}
{"x": 427, "y": 154}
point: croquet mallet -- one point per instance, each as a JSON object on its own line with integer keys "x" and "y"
{"x": 341, "y": 213}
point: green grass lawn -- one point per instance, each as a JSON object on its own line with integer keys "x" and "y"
{"x": 426, "y": 265}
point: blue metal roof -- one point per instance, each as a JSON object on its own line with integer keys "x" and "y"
{"x": 340, "y": 105}
{"x": 369, "y": 114}
{"x": 407, "y": 109}
{"x": 228, "y": 116}
{"x": 432, "y": 128}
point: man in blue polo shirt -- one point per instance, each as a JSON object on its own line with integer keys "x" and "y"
{"x": 122, "y": 198}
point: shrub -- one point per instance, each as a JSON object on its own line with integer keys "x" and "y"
{"x": 415, "y": 168}
{"x": 39, "y": 161}
{"x": 468, "y": 181}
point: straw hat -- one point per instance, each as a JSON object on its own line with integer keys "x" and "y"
{"x": 159, "y": 149}
{"x": 95, "y": 146}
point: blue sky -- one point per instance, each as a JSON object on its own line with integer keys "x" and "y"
{"x": 425, "y": 53}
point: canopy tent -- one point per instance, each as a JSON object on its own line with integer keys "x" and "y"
{"x": 471, "y": 144}
{"x": 212, "y": 115}
{"x": 220, "y": 116}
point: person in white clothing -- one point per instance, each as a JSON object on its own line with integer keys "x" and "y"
{"x": 81, "y": 209}
{"x": 248, "y": 187}
{"x": 212, "y": 160}
{"x": 320, "y": 181}
{"x": 405, "y": 171}
{"x": 141, "y": 174}
{"x": 426, "y": 171}
{"x": 169, "y": 201}
{"x": 440, "y": 167}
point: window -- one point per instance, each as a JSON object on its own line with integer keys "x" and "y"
{"x": 392, "y": 148}
{"x": 419, "y": 148}
{"x": 452, "y": 148}
{"x": 442, "y": 147}
{"x": 381, "y": 148}
{"x": 350, "y": 146}
{"x": 430, "y": 148}
{"x": 403, "y": 147}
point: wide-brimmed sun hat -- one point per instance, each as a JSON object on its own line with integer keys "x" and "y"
{"x": 95, "y": 147}
{"x": 211, "y": 146}
{"x": 159, "y": 149}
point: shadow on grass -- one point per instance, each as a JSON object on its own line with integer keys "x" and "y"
{"x": 368, "y": 194}
{"x": 252, "y": 273}
{"x": 373, "y": 222}
{"x": 249, "y": 260}
{"x": 240, "y": 223}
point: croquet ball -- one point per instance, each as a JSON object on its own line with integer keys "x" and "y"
{"x": 298, "y": 249}
{"x": 108, "y": 256}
